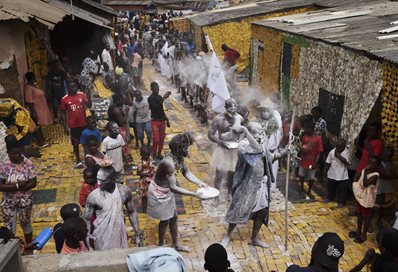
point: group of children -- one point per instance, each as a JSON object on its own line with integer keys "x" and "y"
{"x": 108, "y": 152}
{"x": 370, "y": 180}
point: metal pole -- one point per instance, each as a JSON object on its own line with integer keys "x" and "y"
{"x": 287, "y": 179}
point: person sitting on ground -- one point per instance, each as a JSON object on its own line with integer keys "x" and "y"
{"x": 75, "y": 230}
{"x": 216, "y": 259}
{"x": 311, "y": 148}
{"x": 387, "y": 260}
{"x": 67, "y": 211}
{"x": 112, "y": 147}
{"x": 365, "y": 189}
{"x": 90, "y": 130}
{"x": 337, "y": 173}
{"x": 73, "y": 109}
{"x": 89, "y": 185}
{"x": 19, "y": 123}
{"x": 94, "y": 158}
{"x": 146, "y": 172}
{"x": 325, "y": 255}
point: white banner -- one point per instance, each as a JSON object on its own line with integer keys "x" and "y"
{"x": 216, "y": 81}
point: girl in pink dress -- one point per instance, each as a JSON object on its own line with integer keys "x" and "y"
{"x": 37, "y": 105}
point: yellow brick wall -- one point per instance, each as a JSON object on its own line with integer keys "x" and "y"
{"x": 37, "y": 57}
{"x": 269, "y": 59}
{"x": 237, "y": 34}
{"x": 389, "y": 112}
{"x": 181, "y": 24}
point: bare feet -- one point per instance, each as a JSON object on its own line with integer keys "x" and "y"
{"x": 182, "y": 248}
{"x": 225, "y": 241}
{"x": 257, "y": 242}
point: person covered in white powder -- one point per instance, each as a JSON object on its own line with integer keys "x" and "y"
{"x": 107, "y": 203}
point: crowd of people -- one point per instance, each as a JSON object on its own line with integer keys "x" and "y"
{"x": 246, "y": 154}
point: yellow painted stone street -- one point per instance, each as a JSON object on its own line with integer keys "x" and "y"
{"x": 307, "y": 221}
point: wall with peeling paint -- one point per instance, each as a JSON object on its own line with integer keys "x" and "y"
{"x": 12, "y": 58}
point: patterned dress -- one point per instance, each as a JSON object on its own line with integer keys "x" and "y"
{"x": 86, "y": 79}
{"x": 145, "y": 167}
{"x": 12, "y": 173}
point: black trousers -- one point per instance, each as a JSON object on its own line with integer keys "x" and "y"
{"x": 337, "y": 190}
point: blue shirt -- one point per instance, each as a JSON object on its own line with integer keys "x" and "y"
{"x": 87, "y": 132}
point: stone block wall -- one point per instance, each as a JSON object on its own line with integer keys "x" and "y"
{"x": 341, "y": 72}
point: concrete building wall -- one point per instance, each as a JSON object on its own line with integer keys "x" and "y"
{"x": 13, "y": 63}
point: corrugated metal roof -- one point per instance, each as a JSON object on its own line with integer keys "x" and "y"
{"x": 101, "y": 7}
{"x": 355, "y": 28}
{"x": 261, "y": 7}
{"x": 129, "y": 3}
{"x": 26, "y": 9}
{"x": 81, "y": 13}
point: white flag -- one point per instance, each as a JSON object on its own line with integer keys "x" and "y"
{"x": 164, "y": 48}
{"x": 216, "y": 81}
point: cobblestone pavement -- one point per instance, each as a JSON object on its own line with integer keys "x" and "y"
{"x": 59, "y": 183}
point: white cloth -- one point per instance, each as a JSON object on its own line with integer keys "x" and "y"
{"x": 113, "y": 149}
{"x": 161, "y": 202}
{"x": 337, "y": 171}
{"x": 216, "y": 81}
{"x": 224, "y": 159}
{"x": 161, "y": 259}
{"x": 110, "y": 229}
{"x": 106, "y": 57}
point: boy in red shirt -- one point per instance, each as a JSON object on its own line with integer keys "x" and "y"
{"x": 311, "y": 148}
{"x": 90, "y": 184}
{"x": 373, "y": 146}
{"x": 73, "y": 109}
